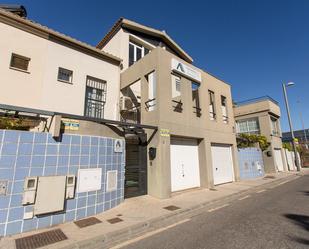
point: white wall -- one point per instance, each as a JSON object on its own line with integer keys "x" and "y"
{"x": 40, "y": 88}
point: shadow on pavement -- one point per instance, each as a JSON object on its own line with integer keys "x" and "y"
{"x": 302, "y": 221}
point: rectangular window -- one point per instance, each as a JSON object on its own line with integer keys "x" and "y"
{"x": 136, "y": 52}
{"x": 249, "y": 126}
{"x": 212, "y": 110}
{"x": 195, "y": 98}
{"x": 224, "y": 109}
{"x": 65, "y": 75}
{"x": 152, "y": 91}
{"x": 19, "y": 62}
{"x": 95, "y": 97}
{"x": 176, "y": 86}
{"x": 275, "y": 126}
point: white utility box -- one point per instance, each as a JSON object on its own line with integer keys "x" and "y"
{"x": 30, "y": 187}
{"x": 89, "y": 180}
{"x": 70, "y": 187}
{"x": 50, "y": 194}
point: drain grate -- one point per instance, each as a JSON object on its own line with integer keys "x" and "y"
{"x": 40, "y": 239}
{"x": 114, "y": 220}
{"x": 171, "y": 208}
{"x": 87, "y": 222}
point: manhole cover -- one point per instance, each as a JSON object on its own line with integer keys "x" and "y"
{"x": 87, "y": 222}
{"x": 171, "y": 208}
{"x": 40, "y": 239}
{"x": 114, "y": 220}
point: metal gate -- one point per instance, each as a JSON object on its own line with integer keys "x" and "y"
{"x": 250, "y": 163}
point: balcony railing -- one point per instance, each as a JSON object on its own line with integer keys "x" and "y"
{"x": 177, "y": 105}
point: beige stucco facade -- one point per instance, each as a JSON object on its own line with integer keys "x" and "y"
{"x": 38, "y": 87}
{"x": 263, "y": 110}
{"x": 185, "y": 124}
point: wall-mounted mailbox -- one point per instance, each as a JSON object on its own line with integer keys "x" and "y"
{"x": 70, "y": 187}
{"x": 30, "y": 186}
{"x": 152, "y": 153}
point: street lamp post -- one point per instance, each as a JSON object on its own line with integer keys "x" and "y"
{"x": 290, "y": 122}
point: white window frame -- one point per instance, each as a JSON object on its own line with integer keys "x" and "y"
{"x": 70, "y": 81}
{"x": 248, "y": 130}
{"x": 135, "y": 46}
{"x": 176, "y": 83}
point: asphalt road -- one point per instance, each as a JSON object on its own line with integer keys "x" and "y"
{"x": 275, "y": 218}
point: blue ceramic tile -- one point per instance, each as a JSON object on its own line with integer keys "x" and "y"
{"x": 66, "y": 139}
{"x": 29, "y": 208}
{"x": 38, "y": 161}
{"x": 2, "y": 227}
{"x": 51, "y": 161}
{"x": 13, "y": 228}
{"x": 91, "y": 200}
{"x": 84, "y": 160}
{"x": 3, "y": 215}
{"x": 64, "y": 149}
{"x": 75, "y": 140}
{"x": 109, "y": 142}
{"x": 30, "y": 224}
{"x": 93, "y": 150}
{"x": 50, "y": 171}
{"x": 44, "y": 221}
{"x": 113, "y": 203}
{"x": 57, "y": 219}
{"x": 4, "y": 202}
{"x": 26, "y": 137}
{"x": 73, "y": 170}
{"x": 93, "y": 159}
{"x": 16, "y": 200}
{"x": 51, "y": 140}
{"x": 81, "y": 202}
{"x": 1, "y": 134}
{"x": 63, "y": 160}
{"x": 18, "y": 187}
{"x": 109, "y": 151}
{"x": 102, "y": 159}
{"x": 82, "y": 194}
{"x": 6, "y": 174}
{"x": 23, "y": 162}
{"x": 100, "y": 208}
{"x": 90, "y": 211}
{"x": 75, "y": 150}
{"x": 52, "y": 149}
{"x": 16, "y": 214}
{"x": 107, "y": 196}
{"x": 70, "y": 216}
{"x": 40, "y": 138}
{"x": 39, "y": 149}
{"x": 70, "y": 204}
{"x": 94, "y": 141}
{"x": 102, "y": 142}
{"x": 107, "y": 205}
{"x": 85, "y": 150}
{"x": 9, "y": 149}
{"x": 74, "y": 160}
{"x": 100, "y": 198}
{"x": 24, "y": 149}
{"x": 36, "y": 172}
{"x": 102, "y": 151}
{"x": 62, "y": 170}
{"x": 85, "y": 141}
{"x": 80, "y": 213}
{"x": 21, "y": 173}
{"x": 11, "y": 136}
{"x": 7, "y": 161}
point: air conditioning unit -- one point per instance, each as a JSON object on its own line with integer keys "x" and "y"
{"x": 125, "y": 103}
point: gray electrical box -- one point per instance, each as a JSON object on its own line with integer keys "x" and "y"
{"x": 50, "y": 195}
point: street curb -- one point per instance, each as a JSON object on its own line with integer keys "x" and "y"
{"x": 114, "y": 238}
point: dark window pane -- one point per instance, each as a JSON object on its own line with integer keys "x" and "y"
{"x": 138, "y": 53}
{"x": 146, "y": 51}
{"x": 19, "y": 62}
{"x": 131, "y": 54}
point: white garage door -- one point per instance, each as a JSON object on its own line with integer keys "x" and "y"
{"x": 290, "y": 159}
{"x": 278, "y": 160}
{"x": 185, "y": 171}
{"x": 222, "y": 164}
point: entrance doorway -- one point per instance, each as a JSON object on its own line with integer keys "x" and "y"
{"x": 136, "y": 165}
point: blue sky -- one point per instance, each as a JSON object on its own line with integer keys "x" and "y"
{"x": 254, "y": 45}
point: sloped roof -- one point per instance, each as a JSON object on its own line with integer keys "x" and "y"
{"x": 31, "y": 26}
{"x": 122, "y": 22}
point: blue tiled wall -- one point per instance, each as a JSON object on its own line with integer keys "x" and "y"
{"x": 247, "y": 163}
{"x": 24, "y": 153}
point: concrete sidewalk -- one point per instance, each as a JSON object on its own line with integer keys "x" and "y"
{"x": 143, "y": 214}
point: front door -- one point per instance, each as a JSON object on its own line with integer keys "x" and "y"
{"x": 185, "y": 171}
{"x": 222, "y": 163}
{"x": 136, "y": 166}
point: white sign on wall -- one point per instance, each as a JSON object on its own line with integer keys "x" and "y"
{"x": 118, "y": 145}
{"x": 186, "y": 70}
{"x": 89, "y": 180}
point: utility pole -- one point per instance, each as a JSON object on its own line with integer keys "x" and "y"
{"x": 290, "y": 122}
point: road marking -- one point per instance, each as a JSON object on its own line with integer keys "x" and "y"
{"x": 216, "y": 208}
{"x": 149, "y": 234}
{"x": 261, "y": 191}
{"x": 245, "y": 197}
{"x": 281, "y": 183}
